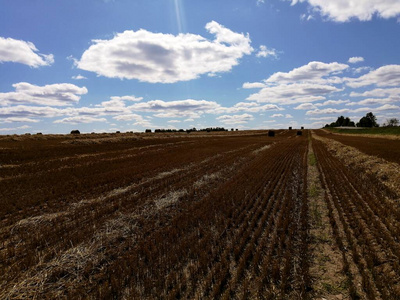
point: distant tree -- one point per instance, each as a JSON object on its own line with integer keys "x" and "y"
{"x": 342, "y": 121}
{"x": 368, "y": 121}
{"x": 393, "y": 122}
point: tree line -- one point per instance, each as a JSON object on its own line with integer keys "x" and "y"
{"x": 369, "y": 120}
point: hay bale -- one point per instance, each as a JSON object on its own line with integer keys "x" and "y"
{"x": 75, "y": 131}
{"x": 148, "y": 131}
{"x": 290, "y": 128}
{"x": 299, "y": 132}
{"x": 271, "y": 133}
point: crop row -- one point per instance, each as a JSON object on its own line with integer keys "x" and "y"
{"x": 365, "y": 218}
{"x": 219, "y": 219}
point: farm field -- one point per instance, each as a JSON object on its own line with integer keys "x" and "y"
{"x": 388, "y": 149}
{"x": 230, "y": 215}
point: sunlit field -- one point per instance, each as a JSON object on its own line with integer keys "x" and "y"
{"x": 225, "y": 215}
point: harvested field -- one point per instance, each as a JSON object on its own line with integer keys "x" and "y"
{"x": 379, "y": 146}
{"x": 193, "y": 216}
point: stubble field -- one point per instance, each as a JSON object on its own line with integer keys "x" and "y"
{"x": 230, "y": 215}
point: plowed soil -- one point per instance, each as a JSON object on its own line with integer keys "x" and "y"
{"x": 230, "y": 215}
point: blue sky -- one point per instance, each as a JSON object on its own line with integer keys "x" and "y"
{"x": 99, "y": 65}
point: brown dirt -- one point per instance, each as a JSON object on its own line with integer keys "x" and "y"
{"x": 329, "y": 281}
{"x": 387, "y": 172}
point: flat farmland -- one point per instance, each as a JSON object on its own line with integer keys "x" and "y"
{"x": 230, "y": 215}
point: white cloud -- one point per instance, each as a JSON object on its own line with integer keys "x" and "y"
{"x": 390, "y": 92}
{"x": 253, "y": 85}
{"x": 293, "y": 93}
{"x": 23, "y": 111}
{"x": 179, "y": 108}
{"x": 157, "y": 57}
{"x": 60, "y": 94}
{"x": 15, "y": 128}
{"x": 305, "y": 17}
{"x": 78, "y": 77}
{"x": 312, "y": 72}
{"x": 173, "y": 121}
{"x": 322, "y": 119}
{"x": 388, "y": 75}
{"x": 374, "y": 101}
{"x": 23, "y": 52}
{"x": 80, "y": 119}
{"x": 332, "y": 102}
{"x": 145, "y": 123}
{"x": 127, "y": 98}
{"x": 265, "y": 52}
{"x": 361, "y": 70}
{"x": 18, "y": 120}
{"x": 355, "y": 59}
{"x": 276, "y": 116}
{"x": 249, "y": 107}
{"x": 288, "y": 116}
{"x": 129, "y": 117}
{"x": 387, "y": 107}
{"x": 306, "y": 106}
{"x": 345, "y": 10}
{"x": 327, "y": 111}
{"x": 235, "y": 119}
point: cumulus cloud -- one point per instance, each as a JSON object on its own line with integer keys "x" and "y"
{"x": 129, "y": 117}
{"x": 78, "y": 77}
{"x": 235, "y": 119}
{"x": 312, "y": 72}
{"x": 249, "y": 107}
{"x": 390, "y": 92}
{"x": 276, "y": 116}
{"x": 293, "y": 93}
{"x": 24, "y": 111}
{"x": 265, "y": 52}
{"x": 253, "y": 85}
{"x": 179, "y": 108}
{"x": 60, "y": 94}
{"x": 80, "y": 119}
{"x": 306, "y": 106}
{"x": 355, "y": 59}
{"x": 374, "y": 101}
{"x": 388, "y": 75}
{"x": 127, "y": 98}
{"x": 332, "y": 102}
{"x": 157, "y": 57}
{"x": 18, "y": 120}
{"x": 361, "y": 70}
{"x": 344, "y": 10}
{"x": 327, "y": 111}
{"x": 23, "y": 52}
